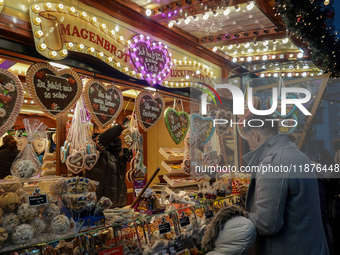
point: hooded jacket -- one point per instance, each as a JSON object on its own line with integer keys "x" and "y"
{"x": 229, "y": 233}
{"x": 110, "y": 168}
{"x": 284, "y": 204}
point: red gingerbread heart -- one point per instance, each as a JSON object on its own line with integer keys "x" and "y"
{"x": 95, "y": 106}
{"x": 72, "y": 81}
{"x": 112, "y": 111}
{"x": 5, "y": 99}
{"x": 40, "y": 74}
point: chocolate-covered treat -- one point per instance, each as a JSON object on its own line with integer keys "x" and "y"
{"x": 11, "y": 187}
{"x": 3, "y": 236}
{"x": 60, "y": 224}
{"x": 10, "y": 222}
{"x": 27, "y": 213}
{"x": 9, "y": 201}
{"x": 22, "y": 234}
{"x": 38, "y": 225}
{"x": 50, "y": 212}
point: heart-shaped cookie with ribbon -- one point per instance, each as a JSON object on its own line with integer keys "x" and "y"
{"x": 90, "y": 160}
{"x": 151, "y": 58}
{"x": 128, "y": 138}
{"x": 203, "y": 128}
{"x": 222, "y": 114}
{"x": 54, "y": 91}
{"x": 177, "y": 124}
{"x": 21, "y": 142}
{"x": 104, "y": 103}
{"x": 149, "y": 109}
{"x": 75, "y": 162}
{"x": 12, "y": 97}
{"x": 39, "y": 145}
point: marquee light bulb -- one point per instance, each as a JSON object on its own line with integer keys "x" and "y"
{"x": 265, "y": 57}
{"x": 90, "y": 50}
{"x": 52, "y": 54}
{"x": 284, "y": 41}
{"x": 36, "y": 21}
{"x": 290, "y": 75}
{"x": 83, "y": 15}
{"x": 247, "y": 45}
{"x": 300, "y": 55}
{"x": 112, "y": 32}
{"x": 63, "y": 53}
{"x": 69, "y": 45}
{"x": 249, "y": 58}
{"x": 39, "y": 33}
{"x": 71, "y": 10}
{"x": 59, "y": 7}
{"x": 109, "y": 59}
{"x": 171, "y": 24}
{"x": 93, "y": 20}
{"x": 42, "y": 46}
{"x": 250, "y": 6}
{"x": 80, "y": 46}
{"x": 148, "y": 12}
{"x": 226, "y": 12}
{"x": 237, "y": 8}
{"x": 100, "y": 54}
{"x": 187, "y": 20}
{"x": 206, "y": 16}
{"x": 265, "y": 43}
{"x": 48, "y": 6}
{"x": 234, "y": 59}
{"x": 214, "y": 49}
{"x": 35, "y": 8}
{"x": 102, "y": 26}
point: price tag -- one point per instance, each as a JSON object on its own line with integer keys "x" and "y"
{"x": 164, "y": 228}
{"x": 113, "y": 251}
{"x": 209, "y": 214}
{"x": 37, "y": 198}
{"x": 185, "y": 221}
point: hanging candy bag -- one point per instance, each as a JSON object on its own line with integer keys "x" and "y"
{"x": 27, "y": 165}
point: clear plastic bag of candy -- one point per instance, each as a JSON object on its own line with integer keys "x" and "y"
{"x": 27, "y": 165}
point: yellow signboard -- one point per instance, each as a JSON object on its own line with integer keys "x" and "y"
{"x": 59, "y": 28}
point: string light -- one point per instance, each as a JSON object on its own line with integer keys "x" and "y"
{"x": 237, "y": 8}
{"x": 226, "y": 12}
{"x": 250, "y": 6}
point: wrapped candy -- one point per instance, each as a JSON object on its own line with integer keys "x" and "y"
{"x": 72, "y": 185}
{"x": 93, "y": 186}
{"x": 82, "y": 185}
{"x": 27, "y": 164}
{"x": 103, "y": 203}
{"x": 91, "y": 201}
{"x": 59, "y": 188}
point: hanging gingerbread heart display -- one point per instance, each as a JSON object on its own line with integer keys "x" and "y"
{"x": 149, "y": 109}
{"x": 177, "y": 124}
{"x": 103, "y": 102}
{"x": 203, "y": 128}
{"x": 11, "y": 99}
{"x": 54, "y": 91}
{"x": 223, "y": 114}
{"x": 39, "y": 145}
{"x": 21, "y": 142}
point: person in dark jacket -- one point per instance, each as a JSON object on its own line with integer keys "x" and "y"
{"x": 8, "y": 153}
{"x": 110, "y": 168}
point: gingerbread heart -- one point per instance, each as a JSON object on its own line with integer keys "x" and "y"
{"x": 149, "y": 109}
{"x": 222, "y": 129}
{"x": 151, "y": 58}
{"x": 177, "y": 124}
{"x": 90, "y": 161}
{"x": 39, "y": 145}
{"x": 108, "y": 98}
{"x": 52, "y": 90}
{"x": 21, "y": 142}
{"x": 12, "y": 97}
{"x": 128, "y": 138}
{"x": 75, "y": 160}
{"x": 203, "y": 128}
{"x": 5, "y": 99}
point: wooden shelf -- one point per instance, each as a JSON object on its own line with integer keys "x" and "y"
{"x": 173, "y": 154}
{"x": 168, "y": 168}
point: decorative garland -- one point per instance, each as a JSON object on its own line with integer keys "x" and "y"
{"x": 307, "y": 20}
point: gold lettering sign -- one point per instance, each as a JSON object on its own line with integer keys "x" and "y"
{"x": 59, "y": 29}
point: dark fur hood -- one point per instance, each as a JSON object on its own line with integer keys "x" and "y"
{"x": 217, "y": 224}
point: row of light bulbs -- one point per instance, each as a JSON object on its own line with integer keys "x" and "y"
{"x": 81, "y": 47}
{"x": 205, "y": 15}
{"x": 303, "y": 74}
{"x": 183, "y": 84}
{"x": 192, "y": 63}
{"x": 265, "y": 57}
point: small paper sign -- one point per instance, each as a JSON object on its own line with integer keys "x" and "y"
{"x": 113, "y": 251}
{"x": 185, "y": 221}
{"x": 37, "y": 198}
{"x": 164, "y": 228}
{"x": 209, "y": 214}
